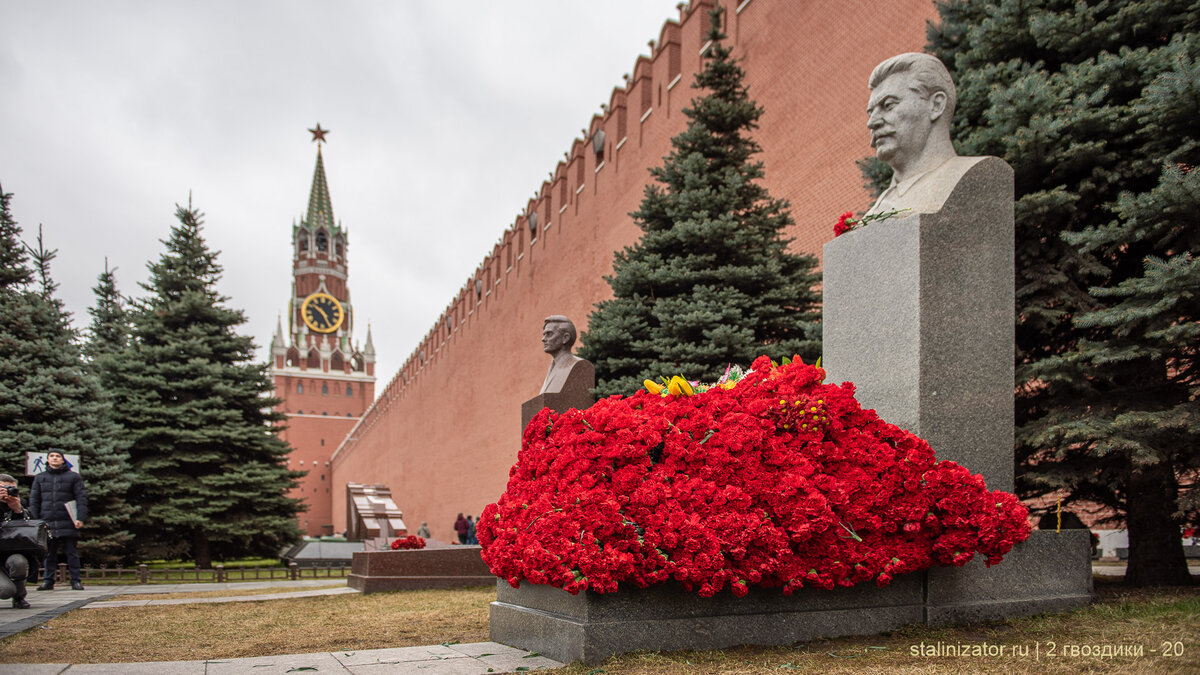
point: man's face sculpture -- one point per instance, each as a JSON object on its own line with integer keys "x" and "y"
{"x": 900, "y": 119}
{"x": 554, "y": 337}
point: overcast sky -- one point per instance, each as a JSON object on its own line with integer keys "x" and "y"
{"x": 445, "y": 118}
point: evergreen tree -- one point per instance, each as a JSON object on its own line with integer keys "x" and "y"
{"x": 711, "y": 281}
{"x": 14, "y": 263}
{"x": 47, "y": 398}
{"x": 210, "y": 479}
{"x": 1095, "y": 107}
{"x": 108, "y": 333}
{"x": 18, "y": 336}
{"x": 108, "y": 538}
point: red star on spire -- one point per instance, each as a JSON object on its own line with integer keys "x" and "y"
{"x": 319, "y": 134}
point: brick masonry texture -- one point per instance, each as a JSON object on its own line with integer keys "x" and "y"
{"x": 445, "y": 430}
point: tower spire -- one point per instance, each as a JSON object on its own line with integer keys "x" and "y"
{"x": 369, "y": 348}
{"x": 277, "y": 340}
{"x": 320, "y": 207}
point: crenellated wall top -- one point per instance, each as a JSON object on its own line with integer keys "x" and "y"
{"x": 652, "y": 75}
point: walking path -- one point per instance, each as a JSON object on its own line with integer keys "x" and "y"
{"x": 474, "y": 659}
{"x": 48, "y": 604}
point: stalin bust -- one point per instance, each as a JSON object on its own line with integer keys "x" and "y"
{"x": 909, "y": 112}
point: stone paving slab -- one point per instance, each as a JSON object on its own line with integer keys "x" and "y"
{"x": 146, "y": 668}
{"x": 449, "y": 667}
{"x": 372, "y": 657}
{"x": 323, "y": 662}
{"x": 223, "y": 586}
{"x": 232, "y": 598}
{"x": 477, "y": 658}
{"x": 45, "y": 605}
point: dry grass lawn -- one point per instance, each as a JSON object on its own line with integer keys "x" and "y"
{"x": 1145, "y": 619}
{"x": 234, "y": 630}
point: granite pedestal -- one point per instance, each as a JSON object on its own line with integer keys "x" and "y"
{"x": 918, "y": 314}
{"x": 559, "y": 402}
{"x": 590, "y": 627}
{"x": 450, "y": 567}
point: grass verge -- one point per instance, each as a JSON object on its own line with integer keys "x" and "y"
{"x": 235, "y": 630}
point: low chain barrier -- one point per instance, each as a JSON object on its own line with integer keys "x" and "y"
{"x": 144, "y": 574}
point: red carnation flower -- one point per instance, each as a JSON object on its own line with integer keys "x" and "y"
{"x": 845, "y": 223}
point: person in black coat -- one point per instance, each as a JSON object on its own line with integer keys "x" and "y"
{"x": 51, "y": 491}
{"x": 15, "y": 569}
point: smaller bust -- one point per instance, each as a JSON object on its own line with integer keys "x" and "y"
{"x": 912, "y": 102}
{"x": 558, "y": 336}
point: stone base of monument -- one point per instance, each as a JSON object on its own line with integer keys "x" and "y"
{"x": 559, "y": 402}
{"x": 450, "y": 567}
{"x": 1050, "y": 572}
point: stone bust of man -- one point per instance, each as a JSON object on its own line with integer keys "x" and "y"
{"x": 558, "y": 336}
{"x": 909, "y": 112}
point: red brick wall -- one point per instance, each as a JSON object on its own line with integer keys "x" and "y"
{"x": 445, "y": 431}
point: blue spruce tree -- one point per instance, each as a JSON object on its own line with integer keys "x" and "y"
{"x": 1095, "y": 105}
{"x": 711, "y": 281}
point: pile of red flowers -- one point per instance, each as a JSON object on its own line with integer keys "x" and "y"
{"x": 779, "y": 481}
{"x": 409, "y": 542}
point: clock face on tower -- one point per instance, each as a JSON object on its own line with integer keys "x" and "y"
{"x": 322, "y": 312}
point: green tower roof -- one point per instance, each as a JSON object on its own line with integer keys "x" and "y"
{"x": 320, "y": 208}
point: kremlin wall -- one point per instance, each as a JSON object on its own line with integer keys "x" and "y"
{"x": 444, "y": 431}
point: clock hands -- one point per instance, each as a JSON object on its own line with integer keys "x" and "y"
{"x": 322, "y": 313}
{"x": 328, "y": 319}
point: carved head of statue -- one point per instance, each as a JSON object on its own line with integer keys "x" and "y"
{"x": 912, "y": 102}
{"x": 558, "y": 334}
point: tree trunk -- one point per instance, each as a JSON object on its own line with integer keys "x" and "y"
{"x": 203, "y": 556}
{"x": 1155, "y": 544}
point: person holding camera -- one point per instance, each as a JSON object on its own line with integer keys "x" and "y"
{"x": 15, "y": 568}
{"x": 52, "y": 490}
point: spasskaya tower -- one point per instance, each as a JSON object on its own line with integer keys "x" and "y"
{"x": 323, "y": 378}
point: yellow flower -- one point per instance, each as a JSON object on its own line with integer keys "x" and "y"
{"x": 679, "y": 387}
{"x": 653, "y": 387}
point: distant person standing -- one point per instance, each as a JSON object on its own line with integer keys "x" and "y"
{"x": 423, "y": 531}
{"x": 471, "y": 538}
{"x": 52, "y": 490}
{"x": 462, "y": 528}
